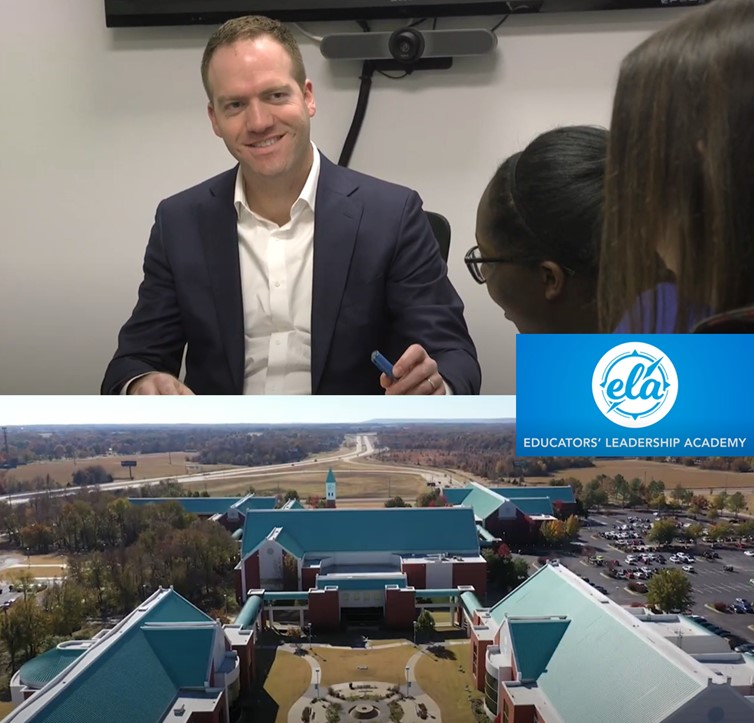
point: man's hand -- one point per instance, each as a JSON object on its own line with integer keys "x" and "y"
{"x": 158, "y": 383}
{"x": 414, "y": 373}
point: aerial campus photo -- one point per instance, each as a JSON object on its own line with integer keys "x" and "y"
{"x": 283, "y": 560}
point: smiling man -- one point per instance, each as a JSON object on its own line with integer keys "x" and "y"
{"x": 283, "y": 274}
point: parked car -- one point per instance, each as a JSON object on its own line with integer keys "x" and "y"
{"x": 745, "y": 648}
{"x": 688, "y": 568}
{"x": 728, "y": 568}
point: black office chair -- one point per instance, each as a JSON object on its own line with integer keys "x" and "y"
{"x": 441, "y": 230}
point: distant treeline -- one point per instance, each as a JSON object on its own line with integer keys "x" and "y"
{"x": 482, "y": 450}
{"x": 227, "y": 444}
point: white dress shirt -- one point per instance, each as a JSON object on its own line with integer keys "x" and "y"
{"x": 276, "y": 284}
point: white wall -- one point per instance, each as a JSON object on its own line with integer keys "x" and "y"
{"x": 98, "y": 125}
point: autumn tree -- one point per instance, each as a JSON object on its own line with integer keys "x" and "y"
{"x": 720, "y": 531}
{"x": 663, "y": 532}
{"x": 735, "y": 503}
{"x": 669, "y": 590}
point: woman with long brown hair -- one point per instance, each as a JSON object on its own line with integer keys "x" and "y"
{"x": 680, "y": 178}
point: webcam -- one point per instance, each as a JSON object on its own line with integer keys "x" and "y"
{"x": 406, "y": 45}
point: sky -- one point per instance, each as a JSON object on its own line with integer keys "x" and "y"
{"x": 31, "y": 410}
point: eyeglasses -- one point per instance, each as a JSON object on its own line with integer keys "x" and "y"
{"x": 474, "y": 260}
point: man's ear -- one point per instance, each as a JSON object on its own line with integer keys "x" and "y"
{"x": 553, "y": 279}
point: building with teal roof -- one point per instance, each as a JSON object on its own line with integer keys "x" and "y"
{"x": 166, "y": 656}
{"x": 360, "y": 554}
{"x": 511, "y": 514}
{"x": 557, "y": 650}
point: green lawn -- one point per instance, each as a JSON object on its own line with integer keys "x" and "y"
{"x": 449, "y": 682}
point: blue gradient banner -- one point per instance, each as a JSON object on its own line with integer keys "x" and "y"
{"x": 634, "y": 395}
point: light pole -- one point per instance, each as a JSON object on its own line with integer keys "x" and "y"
{"x": 317, "y": 671}
{"x": 414, "y": 632}
{"x": 309, "y": 633}
{"x": 408, "y": 682}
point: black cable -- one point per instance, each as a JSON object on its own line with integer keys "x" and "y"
{"x": 394, "y": 77}
{"x": 367, "y": 72}
{"x": 492, "y": 30}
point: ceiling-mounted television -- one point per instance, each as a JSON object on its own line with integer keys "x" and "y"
{"x": 131, "y": 13}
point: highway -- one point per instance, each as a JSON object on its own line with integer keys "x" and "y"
{"x": 363, "y": 448}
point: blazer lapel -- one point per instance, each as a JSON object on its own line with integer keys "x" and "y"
{"x": 219, "y": 232}
{"x": 337, "y": 217}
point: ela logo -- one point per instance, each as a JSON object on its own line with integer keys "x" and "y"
{"x": 635, "y": 385}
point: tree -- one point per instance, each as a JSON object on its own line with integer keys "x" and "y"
{"x": 681, "y": 495}
{"x": 425, "y": 623}
{"x": 670, "y": 590}
{"x": 572, "y": 527}
{"x": 553, "y": 532}
{"x": 693, "y": 532}
{"x": 719, "y": 501}
{"x": 621, "y": 488}
{"x": 663, "y": 532}
{"x": 433, "y": 498}
{"x": 94, "y": 474}
{"x": 291, "y": 495}
{"x": 655, "y": 488}
{"x": 735, "y": 503}
{"x": 637, "y": 493}
{"x": 503, "y": 570}
{"x": 396, "y": 502}
{"x": 720, "y": 531}
{"x": 594, "y": 495}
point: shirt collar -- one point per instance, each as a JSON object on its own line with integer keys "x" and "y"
{"x": 307, "y": 196}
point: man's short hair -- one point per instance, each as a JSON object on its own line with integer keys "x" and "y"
{"x": 250, "y": 27}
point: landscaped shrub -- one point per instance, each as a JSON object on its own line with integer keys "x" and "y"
{"x": 541, "y": 561}
{"x": 332, "y": 714}
{"x": 396, "y": 711}
{"x": 306, "y": 714}
{"x": 720, "y": 606}
{"x": 422, "y": 711}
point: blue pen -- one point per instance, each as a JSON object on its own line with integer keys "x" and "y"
{"x": 382, "y": 364}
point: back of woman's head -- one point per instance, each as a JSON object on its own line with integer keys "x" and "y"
{"x": 546, "y": 202}
{"x": 680, "y": 163}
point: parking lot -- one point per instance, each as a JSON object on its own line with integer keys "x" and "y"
{"x": 711, "y": 583}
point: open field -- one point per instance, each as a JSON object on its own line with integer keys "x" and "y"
{"x": 12, "y": 574}
{"x": 449, "y": 682}
{"x": 149, "y": 466}
{"x": 692, "y": 478}
{"x": 287, "y": 680}
{"x": 342, "y": 666}
{"x": 14, "y": 558}
{"x": 311, "y": 481}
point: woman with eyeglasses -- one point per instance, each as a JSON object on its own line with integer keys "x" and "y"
{"x": 537, "y": 231}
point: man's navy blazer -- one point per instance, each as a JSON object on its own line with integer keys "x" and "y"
{"x": 379, "y": 282}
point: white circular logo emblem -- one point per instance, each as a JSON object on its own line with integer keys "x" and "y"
{"x": 635, "y": 385}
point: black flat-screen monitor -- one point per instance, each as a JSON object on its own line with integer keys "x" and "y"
{"x": 125, "y": 13}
